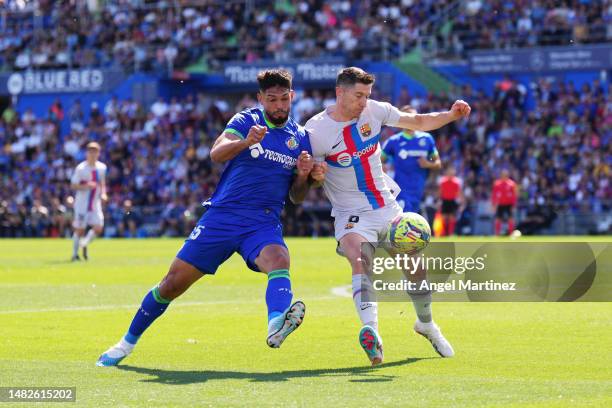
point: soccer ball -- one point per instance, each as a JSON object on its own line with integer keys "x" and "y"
{"x": 409, "y": 233}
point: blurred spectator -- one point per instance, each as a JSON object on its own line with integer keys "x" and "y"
{"x": 519, "y": 23}
{"x": 159, "y": 168}
{"x": 130, "y": 221}
{"x": 162, "y": 36}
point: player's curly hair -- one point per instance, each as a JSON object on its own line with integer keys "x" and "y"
{"x": 353, "y": 75}
{"x": 270, "y": 78}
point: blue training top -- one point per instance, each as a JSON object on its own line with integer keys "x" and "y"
{"x": 404, "y": 151}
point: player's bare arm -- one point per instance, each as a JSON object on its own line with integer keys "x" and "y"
{"x": 435, "y": 164}
{"x": 227, "y": 146}
{"x": 315, "y": 179}
{"x": 317, "y": 175}
{"x": 434, "y": 120}
{"x": 103, "y": 195}
{"x": 300, "y": 185}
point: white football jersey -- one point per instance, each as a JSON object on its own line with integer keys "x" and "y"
{"x": 355, "y": 180}
{"x": 88, "y": 200}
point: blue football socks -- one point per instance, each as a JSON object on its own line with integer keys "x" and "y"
{"x": 278, "y": 293}
{"x": 153, "y": 306}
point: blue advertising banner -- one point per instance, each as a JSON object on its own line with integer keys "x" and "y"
{"x": 59, "y": 81}
{"x": 577, "y": 58}
{"x": 303, "y": 71}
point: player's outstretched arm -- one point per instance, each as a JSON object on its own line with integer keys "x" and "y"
{"x": 227, "y": 146}
{"x": 300, "y": 185}
{"x": 434, "y": 120}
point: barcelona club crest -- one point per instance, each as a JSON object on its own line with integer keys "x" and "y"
{"x": 292, "y": 143}
{"x": 365, "y": 130}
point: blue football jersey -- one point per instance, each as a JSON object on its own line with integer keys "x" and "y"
{"x": 404, "y": 151}
{"x": 260, "y": 177}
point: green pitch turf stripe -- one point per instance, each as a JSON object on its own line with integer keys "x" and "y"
{"x": 279, "y": 273}
{"x": 158, "y": 297}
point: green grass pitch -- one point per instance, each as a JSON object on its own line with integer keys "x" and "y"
{"x": 209, "y": 348}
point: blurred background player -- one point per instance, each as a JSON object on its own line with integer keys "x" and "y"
{"x": 503, "y": 198}
{"x": 268, "y": 157}
{"x": 450, "y": 188}
{"x": 413, "y": 154}
{"x": 89, "y": 181}
{"x": 346, "y": 136}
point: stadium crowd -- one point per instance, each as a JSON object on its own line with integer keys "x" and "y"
{"x": 520, "y": 23}
{"x": 160, "y": 35}
{"x": 159, "y": 168}
{"x": 559, "y": 153}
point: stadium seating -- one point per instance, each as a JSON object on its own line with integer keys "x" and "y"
{"x": 559, "y": 151}
{"x": 161, "y": 36}
{"x": 158, "y": 158}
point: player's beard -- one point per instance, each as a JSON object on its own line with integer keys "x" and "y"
{"x": 279, "y": 117}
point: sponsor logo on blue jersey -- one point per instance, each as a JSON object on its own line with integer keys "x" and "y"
{"x": 404, "y": 154}
{"x": 258, "y": 151}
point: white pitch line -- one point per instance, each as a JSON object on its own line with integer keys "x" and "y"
{"x": 342, "y": 291}
{"x": 133, "y": 306}
{"x": 100, "y": 307}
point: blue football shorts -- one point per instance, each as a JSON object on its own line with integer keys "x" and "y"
{"x": 409, "y": 204}
{"x": 219, "y": 233}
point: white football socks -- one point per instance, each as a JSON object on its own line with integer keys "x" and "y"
{"x": 422, "y": 305}
{"x": 364, "y": 299}
{"x": 91, "y": 234}
{"x": 126, "y": 345}
{"x": 75, "y": 244}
